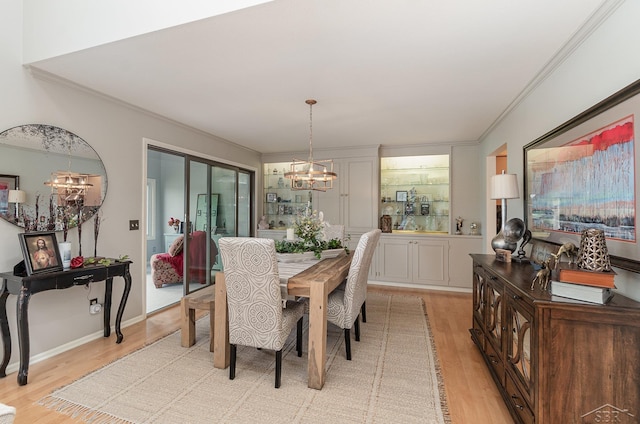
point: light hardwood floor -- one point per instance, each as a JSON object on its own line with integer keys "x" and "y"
{"x": 471, "y": 394}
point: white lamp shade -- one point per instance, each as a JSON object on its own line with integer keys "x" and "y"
{"x": 17, "y": 196}
{"x": 504, "y": 186}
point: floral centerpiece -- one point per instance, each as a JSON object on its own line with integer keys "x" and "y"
{"x": 175, "y": 223}
{"x": 308, "y": 228}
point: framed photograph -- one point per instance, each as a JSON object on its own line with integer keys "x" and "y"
{"x": 40, "y": 251}
{"x": 401, "y": 196}
{"x": 272, "y": 197}
{"x": 7, "y": 182}
{"x": 582, "y": 175}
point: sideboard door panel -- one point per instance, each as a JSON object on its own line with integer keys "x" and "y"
{"x": 588, "y": 362}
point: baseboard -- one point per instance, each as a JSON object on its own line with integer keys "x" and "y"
{"x": 13, "y": 366}
{"x": 420, "y": 286}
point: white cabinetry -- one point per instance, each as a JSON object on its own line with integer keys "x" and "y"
{"x": 353, "y": 202}
{"x": 419, "y": 260}
{"x": 459, "y": 260}
{"x": 413, "y": 260}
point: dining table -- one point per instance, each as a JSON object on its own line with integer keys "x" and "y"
{"x": 313, "y": 279}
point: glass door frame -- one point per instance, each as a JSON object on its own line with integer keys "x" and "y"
{"x": 189, "y": 161}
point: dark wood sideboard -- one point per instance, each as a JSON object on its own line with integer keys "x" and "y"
{"x": 555, "y": 361}
{"x": 24, "y": 286}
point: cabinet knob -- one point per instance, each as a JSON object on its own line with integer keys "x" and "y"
{"x": 517, "y": 405}
{"x": 516, "y": 297}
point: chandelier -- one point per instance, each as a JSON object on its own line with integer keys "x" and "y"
{"x": 311, "y": 174}
{"x": 70, "y": 186}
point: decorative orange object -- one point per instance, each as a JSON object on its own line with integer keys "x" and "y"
{"x": 77, "y": 262}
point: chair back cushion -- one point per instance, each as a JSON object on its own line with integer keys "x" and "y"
{"x": 253, "y": 291}
{"x": 176, "y": 246}
{"x": 356, "y": 287}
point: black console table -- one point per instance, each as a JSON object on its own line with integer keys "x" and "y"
{"x": 24, "y": 287}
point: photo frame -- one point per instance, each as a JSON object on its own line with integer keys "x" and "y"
{"x": 272, "y": 197}
{"x": 582, "y": 175}
{"x": 40, "y": 252}
{"x": 401, "y": 196}
{"x": 7, "y": 182}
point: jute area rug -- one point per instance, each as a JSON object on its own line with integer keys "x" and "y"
{"x": 393, "y": 378}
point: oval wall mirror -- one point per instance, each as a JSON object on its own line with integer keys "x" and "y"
{"x": 50, "y": 179}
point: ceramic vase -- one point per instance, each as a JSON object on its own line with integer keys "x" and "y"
{"x": 65, "y": 254}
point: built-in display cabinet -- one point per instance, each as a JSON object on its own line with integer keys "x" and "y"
{"x": 414, "y": 192}
{"x": 411, "y": 187}
{"x": 281, "y": 204}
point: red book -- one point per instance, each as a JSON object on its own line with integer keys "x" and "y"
{"x": 572, "y": 274}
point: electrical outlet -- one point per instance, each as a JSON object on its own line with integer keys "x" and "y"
{"x": 134, "y": 224}
{"x": 94, "y": 307}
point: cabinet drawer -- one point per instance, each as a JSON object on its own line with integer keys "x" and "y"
{"x": 521, "y": 303}
{"x": 517, "y": 402}
{"x": 495, "y": 360}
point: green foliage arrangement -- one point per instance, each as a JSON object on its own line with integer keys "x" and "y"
{"x": 308, "y": 229}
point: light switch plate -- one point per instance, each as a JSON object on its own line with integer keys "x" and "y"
{"x": 134, "y": 224}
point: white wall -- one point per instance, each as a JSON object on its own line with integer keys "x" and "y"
{"x": 603, "y": 64}
{"x": 64, "y": 26}
{"x": 116, "y": 133}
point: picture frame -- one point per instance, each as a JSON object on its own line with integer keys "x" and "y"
{"x": 582, "y": 175}
{"x": 401, "y": 196}
{"x": 40, "y": 252}
{"x": 272, "y": 197}
{"x": 7, "y": 182}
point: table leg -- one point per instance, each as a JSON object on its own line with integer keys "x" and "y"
{"x": 123, "y": 302}
{"x": 4, "y": 328}
{"x": 22, "y": 312}
{"x": 106, "y": 313}
{"x": 317, "y": 335}
{"x": 221, "y": 351}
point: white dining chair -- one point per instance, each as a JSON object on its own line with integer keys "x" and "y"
{"x": 257, "y": 317}
{"x": 346, "y": 302}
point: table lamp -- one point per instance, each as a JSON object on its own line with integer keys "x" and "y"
{"x": 17, "y": 197}
{"x": 503, "y": 187}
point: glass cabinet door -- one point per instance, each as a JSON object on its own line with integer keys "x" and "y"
{"x": 494, "y": 312}
{"x": 519, "y": 352}
{"x": 478, "y": 299}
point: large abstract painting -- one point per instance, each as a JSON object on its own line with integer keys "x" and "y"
{"x": 582, "y": 175}
{"x": 587, "y": 183}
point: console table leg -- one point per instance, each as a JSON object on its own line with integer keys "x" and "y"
{"x": 22, "y": 312}
{"x": 123, "y": 302}
{"x": 4, "y": 328}
{"x": 106, "y": 314}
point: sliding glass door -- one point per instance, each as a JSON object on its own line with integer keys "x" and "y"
{"x": 219, "y": 205}
{"x": 211, "y": 200}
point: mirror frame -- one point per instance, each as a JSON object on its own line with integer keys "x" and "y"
{"x": 43, "y": 211}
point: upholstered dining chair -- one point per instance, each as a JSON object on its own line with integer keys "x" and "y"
{"x": 257, "y": 317}
{"x": 346, "y": 302}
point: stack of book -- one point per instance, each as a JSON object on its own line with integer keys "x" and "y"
{"x": 572, "y": 282}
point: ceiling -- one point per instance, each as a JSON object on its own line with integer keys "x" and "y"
{"x": 383, "y": 72}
